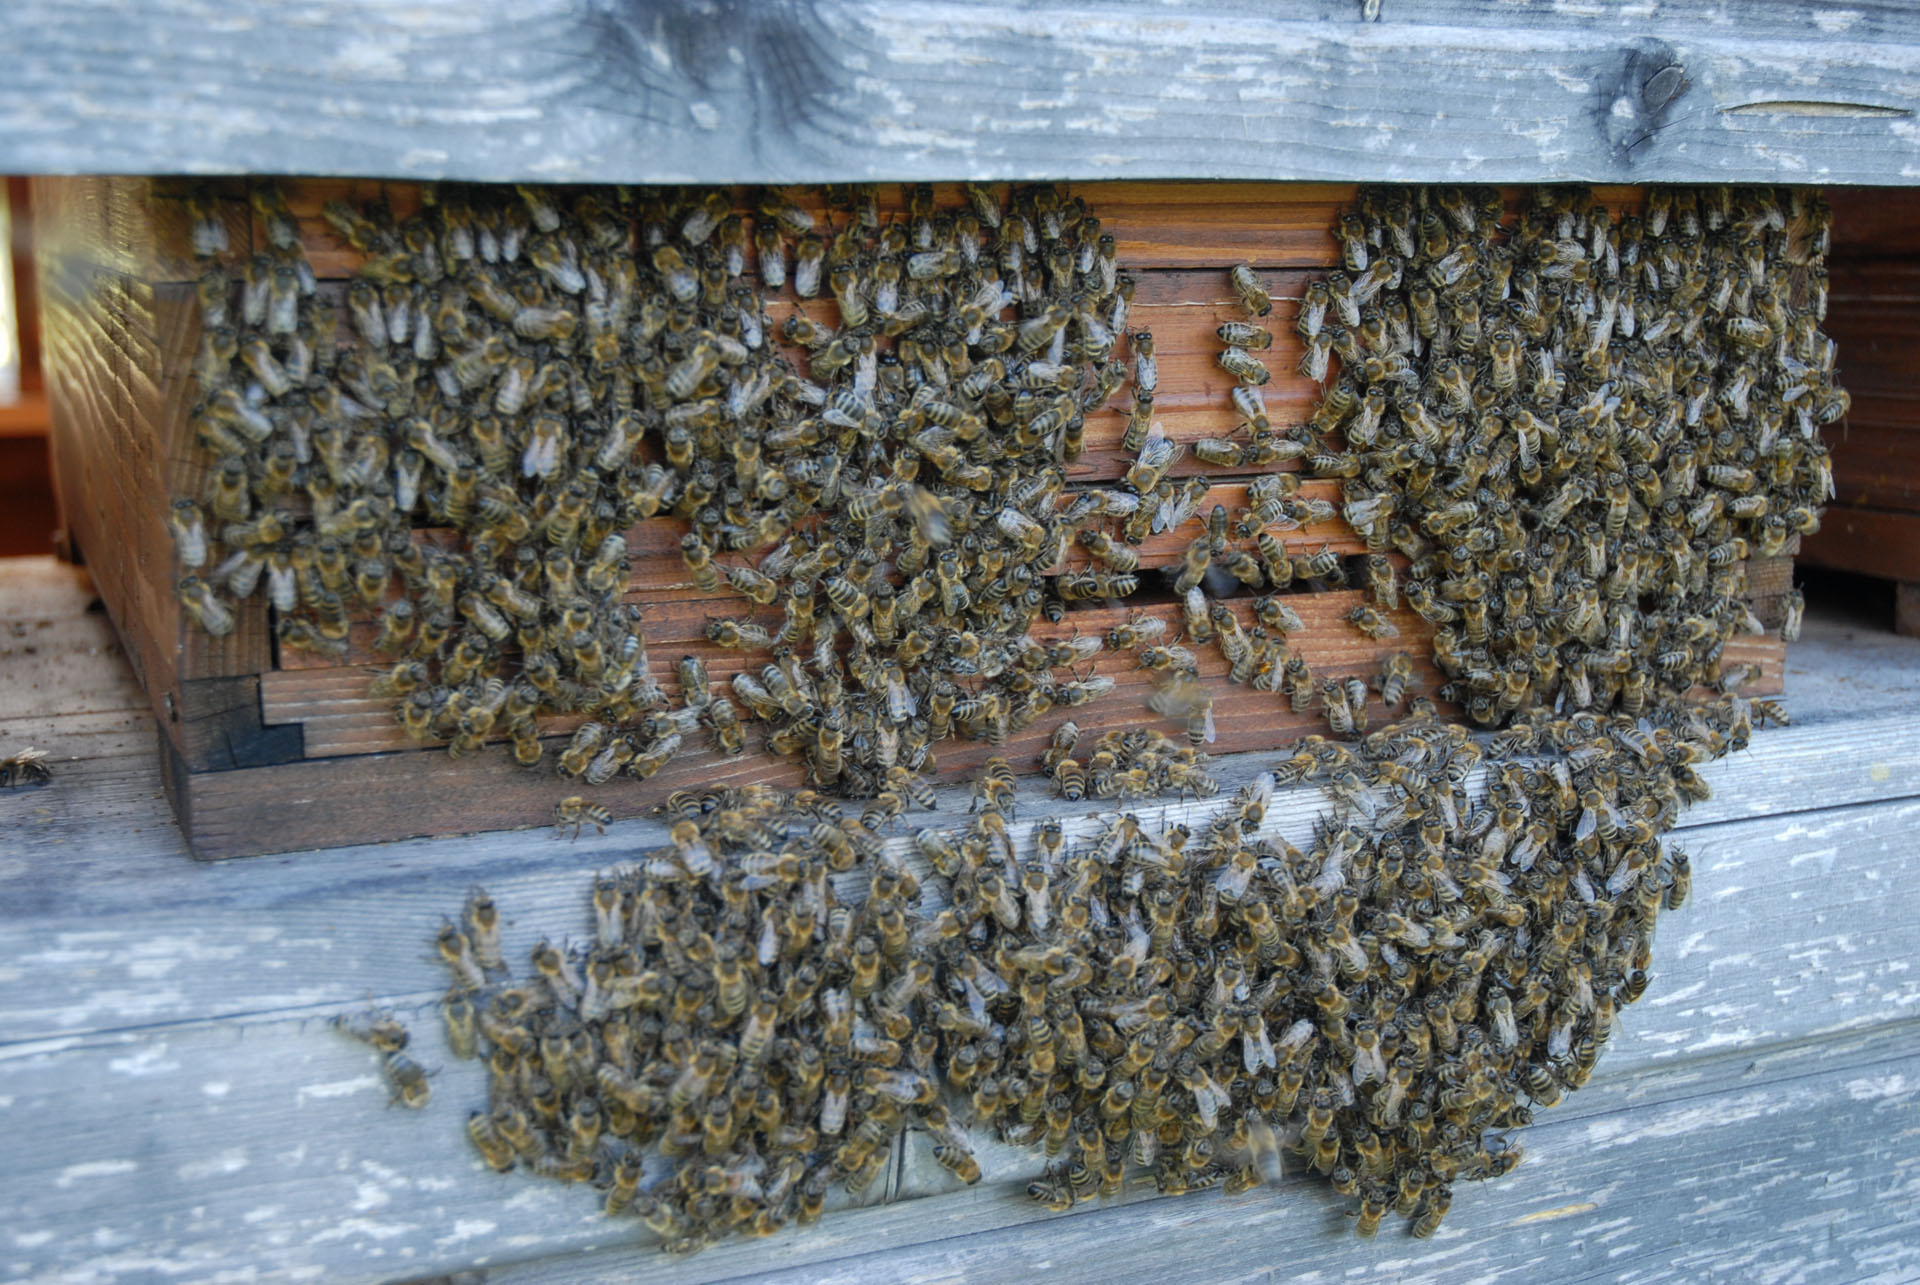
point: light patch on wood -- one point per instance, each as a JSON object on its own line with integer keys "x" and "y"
{"x": 150, "y": 1060}
{"x": 93, "y": 1169}
{"x": 338, "y": 1088}
{"x": 230, "y": 1160}
{"x": 348, "y": 1227}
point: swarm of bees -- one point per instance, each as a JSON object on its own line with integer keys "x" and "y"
{"x": 535, "y": 372}
{"x": 732, "y": 1040}
{"x": 768, "y": 1001}
{"x": 1575, "y": 431}
{"x": 1217, "y": 1007}
{"x": 1560, "y": 441}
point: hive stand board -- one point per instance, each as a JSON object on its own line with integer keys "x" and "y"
{"x": 261, "y": 743}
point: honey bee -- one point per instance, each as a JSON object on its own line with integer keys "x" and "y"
{"x": 1395, "y": 673}
{"x": 407, "y": 1080}
{"x": 1252, "y": 295}
{"x": 588, "y": 739}
{"x": 1186, "y": 697}
{"x": 1158, "y": 453}
{"x": 189, "y": 531}
{"x": 1243, "y": 365}
{"x": 1433, "y": 1209}
{"x": 1369, "y": 621}
{"x": 489, "y": 1142}
{"x": 577, "y": 812}
{"x": 205, "y": 608}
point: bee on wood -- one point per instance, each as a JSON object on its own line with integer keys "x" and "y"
{"x": 577, "y": 812}
{"x": 1252, "y": 295}
{"x": 1370, "y": 621}
{"x": 25, "y": 767}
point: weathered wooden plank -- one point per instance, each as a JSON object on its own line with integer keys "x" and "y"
{"x": 848, "y": 89}
{"x": 1799, "y": 927}
{"x": 263, "y": 1144}
{"x": 1720, "y": 1186}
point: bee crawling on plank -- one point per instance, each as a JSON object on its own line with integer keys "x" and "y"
{"x": 28, "y": 767}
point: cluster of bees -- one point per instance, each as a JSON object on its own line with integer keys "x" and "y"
{"x": 765, "y": 1003}
{"x": 1574, "y": 432}
{"x": 731, "y": 1041}
{"x": 1383, "y": 1006}
{"x": 537, "y": 372}
{"x": 1560, "y": 441}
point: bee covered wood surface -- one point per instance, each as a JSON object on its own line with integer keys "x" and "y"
{"x": 823, "y": 90}
{"x": 1177, "y": 238}
{"x": 181, "y": 1105}
{"x": 272, "y": 1129}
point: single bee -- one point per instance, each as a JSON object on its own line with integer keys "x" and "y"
{"x": 488, "y": 1141}
{"x": 408, "y": 1081}
{"x": 1370, "y": 621}
{"x": 1395, "y": 673}
{"x": 1253, "y": 296}
{"x": 205, "y": 608}
{"x": 189, "y": 531}
{"x": 1243, "y": 365}
{"x": 576, "y": 811}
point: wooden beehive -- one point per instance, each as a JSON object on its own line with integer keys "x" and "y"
{"x": 1873, "y": 525}
{"x": 270, "y": 750}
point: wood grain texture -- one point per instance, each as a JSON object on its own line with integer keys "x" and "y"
{"x": 819, "y": 90}
{"x": 118, "y": 349}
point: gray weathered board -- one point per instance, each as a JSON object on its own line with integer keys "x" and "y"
{"x": 176, "y": 1108}
{"x": 831, "y": 90}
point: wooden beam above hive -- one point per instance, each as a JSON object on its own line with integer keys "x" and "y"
{"x": 835, "y": 90}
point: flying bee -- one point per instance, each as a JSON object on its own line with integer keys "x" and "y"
{"x": 1186, "y": 697}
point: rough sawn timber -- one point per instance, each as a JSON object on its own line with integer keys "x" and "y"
{"x": 832, "y": 90}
